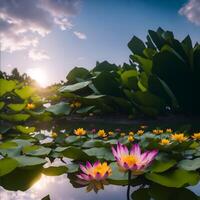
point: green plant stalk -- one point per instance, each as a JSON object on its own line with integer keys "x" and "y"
{"x": 129, "y": 185}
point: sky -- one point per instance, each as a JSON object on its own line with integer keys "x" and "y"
{"x": 47, "y": 38}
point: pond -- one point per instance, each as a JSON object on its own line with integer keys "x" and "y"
{"x": 61, "y": 152}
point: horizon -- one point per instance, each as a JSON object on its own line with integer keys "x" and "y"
{"x": 54, "y": 36}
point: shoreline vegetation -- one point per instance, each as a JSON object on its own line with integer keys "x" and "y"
{"x": 142, "y": 131}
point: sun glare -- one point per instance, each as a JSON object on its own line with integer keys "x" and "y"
{"x": 38, "y": 75}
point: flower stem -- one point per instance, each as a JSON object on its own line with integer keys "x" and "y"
{"x": 129, "y": 185}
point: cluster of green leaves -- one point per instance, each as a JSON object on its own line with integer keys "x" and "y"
{"x": 171, "y": 68}
{"x": 163, "y": 75}
{"x": 177, "y": 164}
{"x": 14, "y": 98}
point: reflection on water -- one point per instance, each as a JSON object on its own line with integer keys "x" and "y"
{"x": 59, "y": 188}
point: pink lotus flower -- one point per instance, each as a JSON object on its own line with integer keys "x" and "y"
{"x": 94, "y": 175}
{"x": 135, "y": 161}
{"x": 97, "y": 171}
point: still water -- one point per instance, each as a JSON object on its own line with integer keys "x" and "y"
{"x": 35, "y": 186}
{"x": 60, "y": 188}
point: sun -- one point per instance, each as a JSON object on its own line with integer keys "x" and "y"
{"x": 38, "y": 75}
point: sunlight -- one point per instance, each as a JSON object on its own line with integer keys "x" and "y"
{"x": 42, "y": 183}
{"x": 39, "y": 75}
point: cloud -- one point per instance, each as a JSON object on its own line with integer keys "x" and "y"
{"x": 191, "y": 11}
{"x": 24, "y": 22}
{"x": 38, "y": 55}
{"x": 80, "y": 35}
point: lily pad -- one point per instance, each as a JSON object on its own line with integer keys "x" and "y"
{"x": 176, "y": 178}
{"x": 7, "y": 165}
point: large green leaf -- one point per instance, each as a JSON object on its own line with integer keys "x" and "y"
{"x": 129, "y": 78}
{"x": 148, "y": 99}
{"x": 16, "y": 107}
{"x": 6, "y": 86}
{"x": 25, "y": 129}
{"x": 101, "y": 84}
{"x": 136, "y": 46}
{"x": 20, "y": 179}
{"x": 54, "y": 171}
{"x": 25, "y": 92}
{"x": 60, "y": 108}
{"x": 165, "y": 65}
{"x": 77, "y": 73}
{"x": 27, "y": 161}
{"x": 35, "y": 150}
{"x": 176, "y": 178}
{"x": 158, "y": 192}
{"x": 100, "y": 153}
{"x": 7, "y": 165}
{"x": 157, "y": 39}
{"x": 72, "y": 152}
{"x": 15, "y": 117}
{"x": 105, "y": 66}
{"x": 74, "y": 87}
{"x": 161, "y": 166}
{"x": 145, "y": 63}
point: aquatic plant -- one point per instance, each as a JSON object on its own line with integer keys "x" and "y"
{"x": 135, "y": 160}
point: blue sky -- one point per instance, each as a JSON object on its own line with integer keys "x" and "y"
{"x": 95, "y": 30}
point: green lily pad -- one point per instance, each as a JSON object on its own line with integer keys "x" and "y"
{"x": 161, "y": 166}
{"x": 176, "y": 178}
{"x": 100, "y": 153}
{"x": 25, "y": 129}
{"x": 25, "y": 92}
{"x": 7, "y": 165}
{"x": 190, "y": 165}
{"x": 6, "y": 86}
{"x": 35, "y": 150}
{"x": 16, "y": 107}
{"x": 54, "y": 171}
{"x": 15, "y": 117}
{"x": 60, "y": 108}
{"x": 27, "y": 161}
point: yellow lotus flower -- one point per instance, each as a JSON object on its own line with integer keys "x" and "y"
{"x": 54, "y": 135}
{"x": 169, "y": 130}
{"x": 122, "y": 134}
{"x": 75, "y": 104}
{"x": 131, "y": 133}
{"x": 157, "y": 131}
{"x": 79, "y": 131}
{"x": 140, "y": 132}
{"x": 196, "y": 136}
{"x": 110, "y": 133}
{"x": 130, "y": 138}
{"x": 30, "y": 106}
{"x": 164, "y": 142}
{"x": 179, "y": 137}
{"x": 102, "y": 133}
